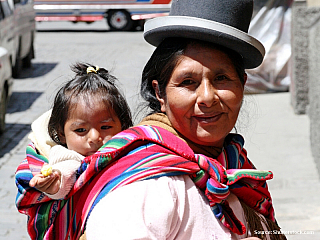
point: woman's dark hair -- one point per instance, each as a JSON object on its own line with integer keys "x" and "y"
{"x": 98, "y": 82}
{"x": 165, "y": 58}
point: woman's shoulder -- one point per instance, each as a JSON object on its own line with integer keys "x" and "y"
{"x": 143, "y": 134}
{"x": 166, "y": 207}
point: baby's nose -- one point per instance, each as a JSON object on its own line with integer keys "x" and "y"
{"x": 95, "y": 136}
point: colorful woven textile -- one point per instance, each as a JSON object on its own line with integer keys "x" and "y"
{"x": 141, "y": 153}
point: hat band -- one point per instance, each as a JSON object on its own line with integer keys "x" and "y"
{"x": 205, "y": 24}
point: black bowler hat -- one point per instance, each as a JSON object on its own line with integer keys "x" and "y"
{"x": 223, "y": 22}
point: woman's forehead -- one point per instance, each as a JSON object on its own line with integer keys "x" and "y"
{"x": 203, "y": 55}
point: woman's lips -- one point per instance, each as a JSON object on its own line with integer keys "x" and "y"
{"x": 208, "y": 118}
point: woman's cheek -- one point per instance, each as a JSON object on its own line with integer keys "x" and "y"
{"x": 233, "y": 99}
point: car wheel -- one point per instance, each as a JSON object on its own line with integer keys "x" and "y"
{"x": 119, "y": 20}
{"x": 138, "y": 25}
{"x": 3, "y": 109}
{"x": 18, "y": 65}
{"x": 27, "y": 60}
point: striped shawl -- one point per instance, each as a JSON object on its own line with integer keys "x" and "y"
{"x": 136, "y": 154}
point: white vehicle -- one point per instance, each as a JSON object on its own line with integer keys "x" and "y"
{"x": 5, "y": 85}
{"x": 8, "y": 38}
{"x": 25, "y": 28}
{"x": 121, "y": 15}
{"x": 17, "y": 30}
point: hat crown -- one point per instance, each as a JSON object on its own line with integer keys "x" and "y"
{"x": 221, "y": 22}
{"x": 235, "y": 13}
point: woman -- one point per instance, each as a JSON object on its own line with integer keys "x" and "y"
{"x": 194, "y": 84}
{"x": 195, "y": 94}
{"x": 180, "y": 174}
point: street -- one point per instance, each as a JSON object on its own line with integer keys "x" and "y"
{"x": 276, "y": 138}
{"x": 124, "y": 54}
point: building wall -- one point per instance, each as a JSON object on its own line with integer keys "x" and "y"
{"x": 305, "y": 76}
{"x": 314, "y": 89}
{"x": 299, "y": 47}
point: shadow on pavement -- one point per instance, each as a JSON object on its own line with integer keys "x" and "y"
{"x": 14, "y": 133}
{"x": 37, "y": 70}
{"x": 22, "y": 101}
{"x": 11, "y": 137}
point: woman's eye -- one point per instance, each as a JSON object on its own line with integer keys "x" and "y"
{"x": 187, "y": 82}
{"x": 80, "y": 130}
{"x": 221, "y": 78}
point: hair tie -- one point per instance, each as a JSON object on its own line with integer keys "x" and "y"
{"x": 92, "y": 69}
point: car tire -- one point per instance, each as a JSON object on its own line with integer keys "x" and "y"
{"x": 138, "y": 24}
{"x": 3, "y": 110}
{"x": 27, "y": 60}
{"x": 119, "y": 20}
{"x": 16, "y": 70}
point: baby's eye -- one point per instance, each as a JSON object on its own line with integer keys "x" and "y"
{"x": 80, "y": 130}
{"x": 105, "y": 127}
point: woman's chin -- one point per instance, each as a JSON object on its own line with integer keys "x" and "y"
{"x": 209, "y": 140}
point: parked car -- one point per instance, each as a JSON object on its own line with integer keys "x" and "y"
{"x": 17, "y": 30}
{"x": 6, "y": 82}
{"x": 7, "y": 32}
{"x": 24, "y": 28}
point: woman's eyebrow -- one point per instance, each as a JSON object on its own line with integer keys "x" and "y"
{"x": 186, "y": 74}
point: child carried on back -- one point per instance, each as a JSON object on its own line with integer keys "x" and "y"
{"x": 87, "y": 111}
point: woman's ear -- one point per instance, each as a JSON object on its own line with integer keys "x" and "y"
{"x": 156, "y": 88}
{"x": 245, "y": 77}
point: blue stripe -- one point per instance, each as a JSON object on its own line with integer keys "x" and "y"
{"x": 213, "y": 189}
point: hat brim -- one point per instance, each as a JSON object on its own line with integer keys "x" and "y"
{"x": 157, "y": 29}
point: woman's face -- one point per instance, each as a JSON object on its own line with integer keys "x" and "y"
{"x": 203, "y": 96}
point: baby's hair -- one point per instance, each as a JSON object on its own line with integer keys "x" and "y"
{"x": 98, "y": 82}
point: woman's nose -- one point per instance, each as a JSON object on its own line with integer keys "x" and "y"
{"x": 206, "y": 94}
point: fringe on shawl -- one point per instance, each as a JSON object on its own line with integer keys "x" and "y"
{"x": 255, "y": 225}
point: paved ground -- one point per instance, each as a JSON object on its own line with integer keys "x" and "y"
{"x": 276, "y": 138}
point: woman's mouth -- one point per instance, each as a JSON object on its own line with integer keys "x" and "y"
{"x": 208, "y": 118}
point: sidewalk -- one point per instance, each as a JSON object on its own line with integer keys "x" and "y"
{"x": 276, "y": 140}
{"x": 12, "y": 223}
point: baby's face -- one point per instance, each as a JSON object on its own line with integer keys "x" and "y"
{"x": 89, "y": 127}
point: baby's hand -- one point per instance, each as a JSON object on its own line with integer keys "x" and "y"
{"x": 46, "y": 170}
{"x": 48, "y": 184}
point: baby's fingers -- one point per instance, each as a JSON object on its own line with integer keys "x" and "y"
{"x": 54, "y": 186}
{"x": 34, "y": 181}
{"x": 46, "y": 182}
{"x": 43, "y": 183}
